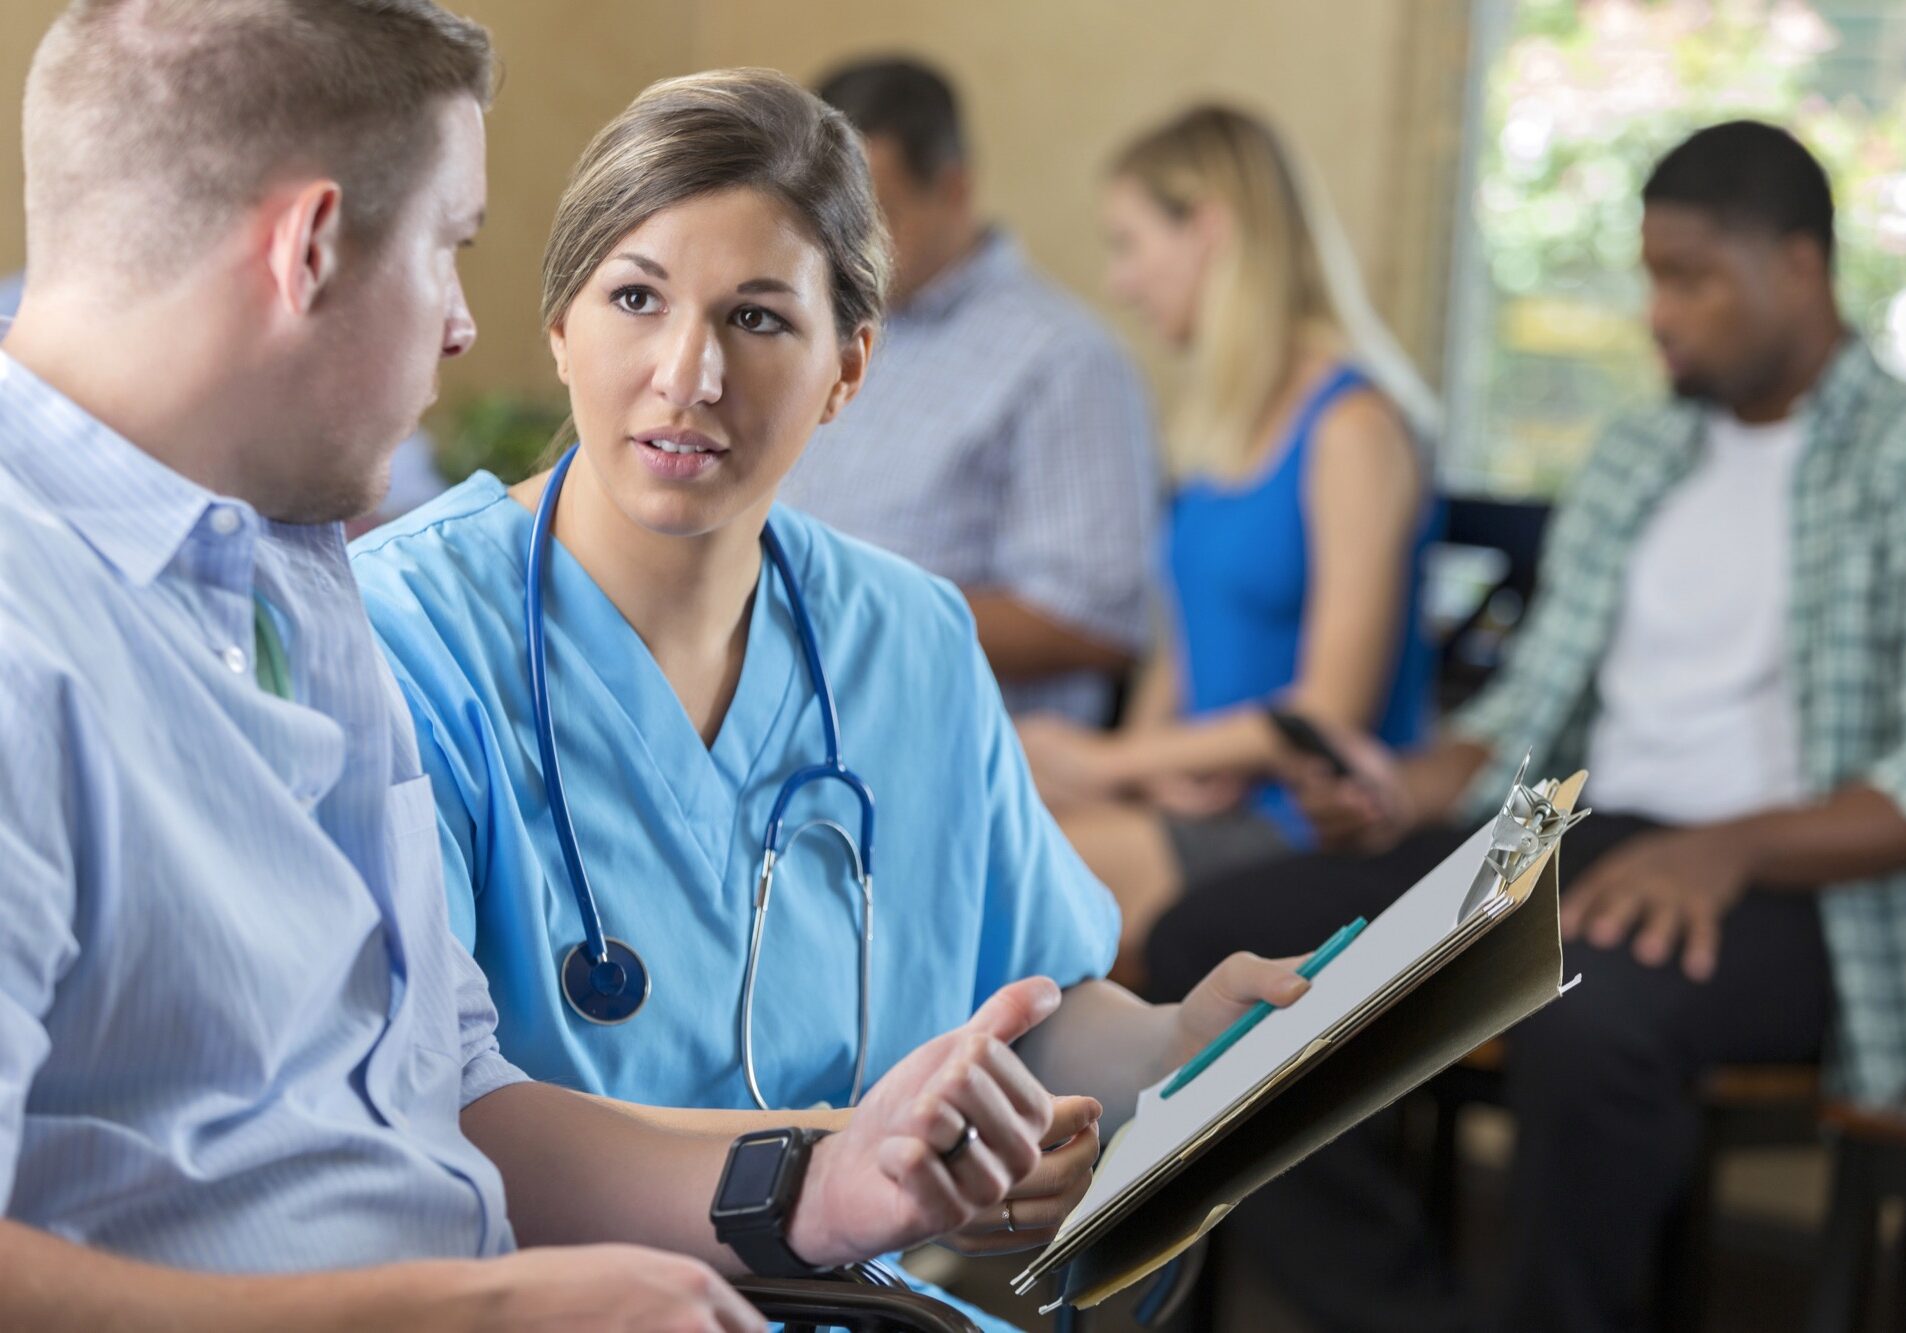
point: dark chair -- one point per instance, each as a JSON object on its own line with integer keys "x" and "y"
{"x": 1471, "y": 646}
{"x": 1176, "y": 1286}
{"x": 1742, "y": 1107}
{"x": 851, "y": 1302}
{"x": 1869, "y": 1167}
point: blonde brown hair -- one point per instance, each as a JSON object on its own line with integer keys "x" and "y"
{"x": 1285, "y": 283}
{"x": 695, "y": 135}
{"x": 718, "y": 130}
{"x": 149, "y": 123}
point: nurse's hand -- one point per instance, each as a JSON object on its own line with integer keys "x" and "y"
{"x": 1041, "y": 1201}
{"x": 892, "y": 1178}
{"x": 1224, "y": 996}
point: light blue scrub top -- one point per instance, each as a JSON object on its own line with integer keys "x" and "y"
{"x": 974, "y": 884}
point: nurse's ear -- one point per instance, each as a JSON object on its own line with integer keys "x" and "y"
{"x": 559, "y": 348}
{"x": 854, "y": 353}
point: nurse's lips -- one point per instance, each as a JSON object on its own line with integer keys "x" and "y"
{"x": 678, "y": 455}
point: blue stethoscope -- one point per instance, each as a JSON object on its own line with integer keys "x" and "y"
{"x": 603, "y": 979}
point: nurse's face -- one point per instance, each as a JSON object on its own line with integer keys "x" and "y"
{"x": 700, "y": 357}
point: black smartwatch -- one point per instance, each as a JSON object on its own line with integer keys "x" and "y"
{"x": 756, "y": 1196}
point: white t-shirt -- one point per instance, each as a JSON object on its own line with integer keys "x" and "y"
{"x": 1697, "y": 719}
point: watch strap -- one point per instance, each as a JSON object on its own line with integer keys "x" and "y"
{"x": 760, "y": 1240}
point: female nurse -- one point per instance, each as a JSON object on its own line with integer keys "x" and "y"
{"x": 712, "y": 288}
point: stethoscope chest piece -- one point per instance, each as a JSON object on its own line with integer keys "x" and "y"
{"x": 607, "y": 992}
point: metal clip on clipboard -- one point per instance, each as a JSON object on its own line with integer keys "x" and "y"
{"x": 1527, "y": 826}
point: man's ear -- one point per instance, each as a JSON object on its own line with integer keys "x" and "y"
{"x": 1805, "y": 259}
{"x": 306, "y": 233}
{"x": 854, "y": 355}
{"x": 955, "y": 187}
{"x": 559, "y": 349}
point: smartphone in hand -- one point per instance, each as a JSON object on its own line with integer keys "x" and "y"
{"x": 1306, "y": 739}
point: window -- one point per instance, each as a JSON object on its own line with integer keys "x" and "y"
{"x": 1571, "y": 102}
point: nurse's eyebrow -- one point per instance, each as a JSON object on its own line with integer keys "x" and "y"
{"x": 644, "y": 263}
{"x": 752, "y": 287}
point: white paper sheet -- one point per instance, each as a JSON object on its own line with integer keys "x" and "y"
{"x": 1389, "y": 946}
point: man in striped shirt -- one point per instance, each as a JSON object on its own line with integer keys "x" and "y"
{"x": 1002, "y": 440}
{"x": 238, "y": 1041}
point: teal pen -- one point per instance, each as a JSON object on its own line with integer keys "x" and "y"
{"x": 1230, "y": 1037}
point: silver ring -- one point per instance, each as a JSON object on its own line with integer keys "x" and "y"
{"x": 968, "y": 1137}
{"x": 1009, "y": 1216}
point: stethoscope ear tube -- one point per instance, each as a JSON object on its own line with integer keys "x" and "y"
{"x": 763, "y": 897}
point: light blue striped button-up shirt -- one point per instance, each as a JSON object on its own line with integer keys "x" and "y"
{"x": 235, "y": 1029}
{"x": 1003, "y": 441}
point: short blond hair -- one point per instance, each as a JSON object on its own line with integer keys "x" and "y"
{"x": 149, "y": 124}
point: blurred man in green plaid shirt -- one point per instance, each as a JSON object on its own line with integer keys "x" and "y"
{"x": 1719, "y": 636}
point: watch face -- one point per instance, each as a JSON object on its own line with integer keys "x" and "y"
{"x": 754, "y": 1168}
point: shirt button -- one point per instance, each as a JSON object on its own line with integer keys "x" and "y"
{"x": 235, "y": 659}
{"x": 225, "y": 520}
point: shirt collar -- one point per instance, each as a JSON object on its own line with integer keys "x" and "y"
{"x": 124, "y": 503}
{"x": 1849, "y": 377}
{"x": 995, "y": 256}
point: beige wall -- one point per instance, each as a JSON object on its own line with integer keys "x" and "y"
{"x": 1053, "y": 88}
{"x": 1370, "y": 88}
{"x": 568, "y": 65}
{"x": 21, "y": 23}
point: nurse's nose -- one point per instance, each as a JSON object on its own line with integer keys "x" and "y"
{"x": 690, "y": 371}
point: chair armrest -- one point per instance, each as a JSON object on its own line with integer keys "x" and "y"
{"x": 851, "y": 1305}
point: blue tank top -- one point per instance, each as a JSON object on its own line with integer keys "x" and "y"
{"x": 1239, "y": 568}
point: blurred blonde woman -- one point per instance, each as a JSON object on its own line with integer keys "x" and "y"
{"x": 1295, "y": 540}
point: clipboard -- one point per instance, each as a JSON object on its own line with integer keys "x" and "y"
{"x": 1175, "y": 1171}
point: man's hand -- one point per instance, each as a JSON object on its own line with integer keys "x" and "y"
{"x": 1041, "y": 1201}
{"x": 1369, "y": 810}
{"x": 885, "y": 1181}
{"x": 1669, "y": 889}
{"x": 1223, "y": 997}
{"x": 609, "y": 1287}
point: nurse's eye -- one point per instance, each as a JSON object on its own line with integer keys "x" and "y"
{"x": 637, "y": 300}
{"x": 759, "y": 319}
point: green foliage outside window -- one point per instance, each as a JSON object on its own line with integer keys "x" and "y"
{"x": 504, "y": 433}
{"x": 1579, "y": 101}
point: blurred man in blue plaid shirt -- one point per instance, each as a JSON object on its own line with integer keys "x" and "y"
{"x": 1719, "y": 636}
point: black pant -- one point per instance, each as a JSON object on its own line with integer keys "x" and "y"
{"x": 1600, "y": 1084}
